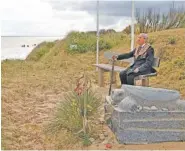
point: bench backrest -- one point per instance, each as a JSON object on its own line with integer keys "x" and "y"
{"x": 109, "y": 55}
{"x": 156, "y": 62}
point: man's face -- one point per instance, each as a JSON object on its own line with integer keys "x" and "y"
{"x": 140, "y": 40}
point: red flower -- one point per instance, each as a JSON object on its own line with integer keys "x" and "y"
{"x": 108, "y": 146}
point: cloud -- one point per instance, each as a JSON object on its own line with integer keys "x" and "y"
{"x": 39, "y": 18}
{"x": 58, "y": 17}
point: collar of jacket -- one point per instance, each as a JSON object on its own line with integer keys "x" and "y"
{"x": 143, "y": 50}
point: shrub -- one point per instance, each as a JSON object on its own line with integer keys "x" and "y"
{"x": 74, "y": 111}
{"x": 38, "y": 52}
{"x": 164, "y": 54}
{"x": 82, "y": 42}
{"x": 151, "y": 41}
{"x": 172, "y": 40}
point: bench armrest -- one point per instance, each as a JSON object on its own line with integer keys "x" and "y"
{"x": 150, "y": 75}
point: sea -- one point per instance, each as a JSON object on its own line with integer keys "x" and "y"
{"x": 19, "y": 47}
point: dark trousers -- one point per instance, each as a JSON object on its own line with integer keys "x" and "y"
{"x": 129, "y": 78}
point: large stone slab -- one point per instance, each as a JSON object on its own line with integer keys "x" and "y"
{"x": 144, "y": 136}
{"x": 151, "y": 115}
{"x": 141, "y": 127}
{"x": 147, "y": 96}
{"x": 154, "y": 124}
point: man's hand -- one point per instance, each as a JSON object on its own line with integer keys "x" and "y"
{"x": 114, "y": 57}
{"x": 136, "y": 70}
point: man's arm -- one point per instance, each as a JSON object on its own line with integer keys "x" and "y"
{"x": 149, "y": 61}
{"x": 126, "y": 55}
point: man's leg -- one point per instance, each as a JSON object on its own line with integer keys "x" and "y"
{"x": 123, "y": 76}
{"x": 131, "y": 77}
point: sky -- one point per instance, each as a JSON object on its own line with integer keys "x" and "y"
{"x": 58, "y": 17}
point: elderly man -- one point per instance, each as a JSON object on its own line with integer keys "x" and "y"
{"x": 143, "y": 58}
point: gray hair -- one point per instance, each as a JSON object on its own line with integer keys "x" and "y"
{"x": 145, "y": 36}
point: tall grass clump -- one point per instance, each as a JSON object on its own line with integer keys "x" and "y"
{"x": 75, "y": 111}
{"x": 172, "y": 40}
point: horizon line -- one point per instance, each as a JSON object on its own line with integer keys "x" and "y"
{"x": 31, "y": 36}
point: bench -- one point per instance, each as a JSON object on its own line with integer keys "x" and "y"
{"x": 142, "y": 80}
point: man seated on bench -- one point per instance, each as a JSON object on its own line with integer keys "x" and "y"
{"x": 143, "y": 59}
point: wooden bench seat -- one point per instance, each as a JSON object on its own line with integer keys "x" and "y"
{"x": 108, "y": 67}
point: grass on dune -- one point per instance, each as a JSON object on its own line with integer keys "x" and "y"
{"x": 30, "y": 84}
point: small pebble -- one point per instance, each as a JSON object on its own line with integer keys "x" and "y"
{"x": 164, "y": 109}
{"x": 146, "y": 108}
{"x": 105, "y": 142}
{"x": 105, "y": 134}
{"x": 102, "y": 137}
{"x": 153, "y": 108}
{"x": 97, "y": 122}
{"x": 139, "y": 108}
{"x": 92, "y": 139}
{"x": 101, "y": 120}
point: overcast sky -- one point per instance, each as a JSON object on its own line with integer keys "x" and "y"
{"x": 58, "y": 17}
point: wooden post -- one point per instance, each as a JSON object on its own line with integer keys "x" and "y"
{"x": 100, "y": 77}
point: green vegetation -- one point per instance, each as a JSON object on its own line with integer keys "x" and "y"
{"x": 33, "y": 89}
{"x": 70, "y": 111}
{"x": 153, "y": 20}
{"x": 41, "y": 50}
{"x": 76, "y": 111}
{"x": 172, "y": 40}
{"x": 83, "y": 42}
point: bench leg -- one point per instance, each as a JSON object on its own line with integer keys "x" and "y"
{"x": 145, "y": 82}
{"x": 142, "y": 82}
{"x": 100, "y": 77}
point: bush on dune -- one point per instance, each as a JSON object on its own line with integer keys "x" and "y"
{"x": 83, "y": 42}
{"x": 38, "y": 52}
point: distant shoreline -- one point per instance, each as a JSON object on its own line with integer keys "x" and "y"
{"x": 31, "y": 36}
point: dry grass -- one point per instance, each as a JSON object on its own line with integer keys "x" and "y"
{"x": 31, "y": 90}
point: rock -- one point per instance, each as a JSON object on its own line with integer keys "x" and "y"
{"x": 92, "y": 140}
{"x": 105, "y": 134}
{"x": 97, "y": 122}
{"x": 139, "y": 108}
{"x": 102, "y": 137}
{"x": 181, "y": 105}
{"x": 117, "y": 96}
{"x": 153, "y": 108}
{"x": 102, "y": 116}
{"x": 128, "y": 104}
{"x": 164, "y": 109}
{"x": 101, "y": 109}
{"x": 146, "y": 108}
{"x": 101, "y": 120}
{"x": 105, "y": 142}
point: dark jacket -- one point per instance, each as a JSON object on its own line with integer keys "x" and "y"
{"x": 143, "y": 62}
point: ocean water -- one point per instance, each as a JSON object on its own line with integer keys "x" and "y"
{"x": 11, "y": 47}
